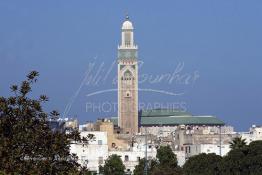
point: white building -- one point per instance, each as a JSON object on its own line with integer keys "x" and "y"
{"x": 192, "y": 150}
{"x": 94, "y": 153}
{"x": 255, "y": 133}
{"x": 131, "y": 157}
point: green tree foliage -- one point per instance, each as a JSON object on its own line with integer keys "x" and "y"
{"x": 166, "y": 157}
{"x": 27, "y": 144}
{"x": 244, "y": 161}
{"x": 166, "y": 163}
{"x": 113, "y": 166}
{"x": 139, "y": 169}
{"x": 202, "y": 164}
{"x": 238, "y": 143}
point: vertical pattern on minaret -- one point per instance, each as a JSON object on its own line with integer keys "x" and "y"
{"x": 127, "y": 81}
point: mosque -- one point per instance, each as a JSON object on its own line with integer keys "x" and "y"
{"x": 136, "y": 134}
{"x": 130, "y": 120}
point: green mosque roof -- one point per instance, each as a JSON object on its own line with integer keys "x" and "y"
{"x": 180, "y": 120}
{"x": 167, "y": 117}
{"x": 163, "y": 113}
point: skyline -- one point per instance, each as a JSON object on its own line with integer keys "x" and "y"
{"x": 60, "y": 40}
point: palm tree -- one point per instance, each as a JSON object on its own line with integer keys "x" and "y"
{"x": 238, "y": 143}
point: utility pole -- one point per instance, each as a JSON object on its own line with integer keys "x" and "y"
{"x": 220, "y": 149}
{"x": 145, "y": 166}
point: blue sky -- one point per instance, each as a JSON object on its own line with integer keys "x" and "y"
{"x": 220, "y": 41}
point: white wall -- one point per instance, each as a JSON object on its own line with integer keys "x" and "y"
{"x": 207, "y": 148}
{"x": 94, "y": 153}
{"x": 133, "y": 156}
{"x": 255, "y": 133}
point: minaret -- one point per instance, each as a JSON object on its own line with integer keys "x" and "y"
{"x": 127, "y": 80}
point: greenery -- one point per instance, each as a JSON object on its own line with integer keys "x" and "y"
{"x": 241, "y": 160}
{"x": 244, "y": 161}
{"x": 139, "y": 169}
{"x": 203, "y": 164}
{"x": 113, "y": 165}
{"x": 238, "y": 143}
{"x": 27, "y": 144}
{"x": 165, "y": 164}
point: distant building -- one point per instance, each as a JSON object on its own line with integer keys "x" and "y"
{"x": 116, "y": 140}
{"x": 88, "y": 126}
{"x": 57, "y": 125}
{"x": 131, "y": 157}
{"x": 165, "y": 121}
{"x": 255, "y": 133}
{"x": 192, "y": 150}
{"x": 194, "y": 140}
{"x": 71, "y": 124}
{"x": 127, "y": 80}
{"x": 94, "y": 153}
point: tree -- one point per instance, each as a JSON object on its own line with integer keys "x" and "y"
{"x": 253, "y": 160}
{"x": 243, "y": 161}
{"x": 238, "y": 143}
{"x": 167, "y": 162}
{"x": 202, "y": 164}
{"x": 166, "y": 156}
{"x": 113, "y": 165}
{"x": 27, "y": 144}
{"x": 139, "y": 169}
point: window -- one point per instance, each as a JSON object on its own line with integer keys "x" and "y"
{"x": 100, "y": 160}
{"x": 126, "y": 158}
{"x": 128, "y": 77}
{"x": 127, "y": 38}
{"x": 128, "y": 94}
{"x": 113, "y": 145}
{"x": 100, "y": 142}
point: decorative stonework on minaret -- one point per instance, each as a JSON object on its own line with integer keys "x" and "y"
{"x": 127, "y": 80}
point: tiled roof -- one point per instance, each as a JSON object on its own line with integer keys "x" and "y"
{"x": 163, "y": 112}
{"x": 180, "y": 120}
{"x": 175, "y": 120}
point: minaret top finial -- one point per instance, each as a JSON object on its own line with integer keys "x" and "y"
{"x": 127, "y": 24}
{"x": 127, "y": 17}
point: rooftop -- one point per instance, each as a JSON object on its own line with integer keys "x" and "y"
{"x": 169, "y": 117}
{"x": 163, "y": 113}
{"x": 180, "y": 120}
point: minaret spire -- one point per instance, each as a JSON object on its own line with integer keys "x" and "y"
{"x": 127, "y": 80}
{"x": 127, "y": 37}
{"x": 127, "y": 16}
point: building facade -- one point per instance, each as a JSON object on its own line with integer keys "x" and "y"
{"x": 255, "y": 133}
{"x": 127, "y": 80}
{"x": 94, "y": 153}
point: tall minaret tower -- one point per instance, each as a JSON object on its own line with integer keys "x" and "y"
{"x": 127, "y": 80}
